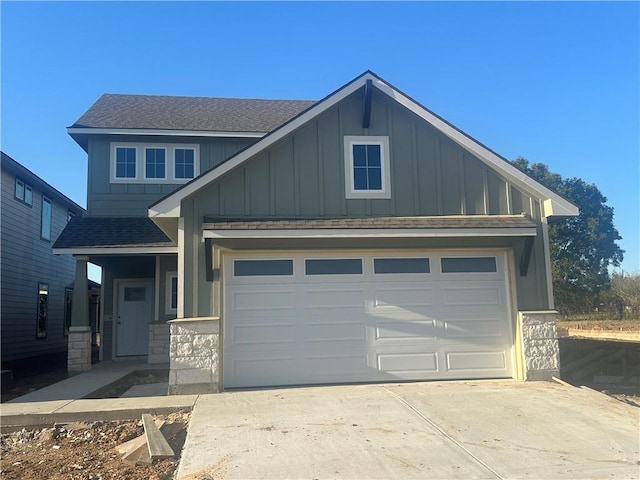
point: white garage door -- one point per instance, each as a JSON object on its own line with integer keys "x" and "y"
{"x": 319, "y": 318}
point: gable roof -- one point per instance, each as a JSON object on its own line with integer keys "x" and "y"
{"x": 554, "y": 204}
{"x": 167, "y": 115}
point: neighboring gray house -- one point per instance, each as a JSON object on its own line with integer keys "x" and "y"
{"x": 359, "y": 238}
{"x": 36, "y": 285}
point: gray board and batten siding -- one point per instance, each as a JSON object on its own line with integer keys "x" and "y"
{"x": 303, "y": 176}
{"x": 26, "y": 261}
{"x": 107, "y": 199}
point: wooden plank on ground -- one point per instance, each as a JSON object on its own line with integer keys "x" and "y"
{"x": 168, "y": 430}
{"x": 158, "y": 446}
{"x": 127, "y": 447}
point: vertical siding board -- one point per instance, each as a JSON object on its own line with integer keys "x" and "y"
{"x": 451, "y": 194}
{"x": 401, "y": 162}
{"x": 258, "y": 195}
{"x": 414, "y": 169}
{"x": 497, "y": 194}
{"x": 234, "y": 192}
{"x": 320, "y": 160}
{"x": 282, "y": 158}
{"x": 427, "y": 153}
{"x": 330, "y": 143}
{"x": 474, "y": 186}
{"x": 308, "y": 171}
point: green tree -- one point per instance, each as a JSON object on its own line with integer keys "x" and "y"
{"x": 626, "y": 289}
{"x": 582, "y": 247}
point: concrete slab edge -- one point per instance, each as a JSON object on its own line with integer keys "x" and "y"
{"x": 35, "y": 420}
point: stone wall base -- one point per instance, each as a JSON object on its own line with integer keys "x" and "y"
{"x": 194, "y": 355}
{"x": 159, "y": 343}
{"x": 540, "y": 348}
{"x": 79, "y": 352}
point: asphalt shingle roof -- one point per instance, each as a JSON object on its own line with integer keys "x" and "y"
{"x": 112, "y": 232}
{"x": 454, "y": 221}
{"x": 189, "y": 113}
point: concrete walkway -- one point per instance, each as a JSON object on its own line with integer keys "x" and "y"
{"x": 485, "y": 430}
{"x": 74, "y": 399}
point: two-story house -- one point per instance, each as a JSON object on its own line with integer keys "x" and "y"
{"x": 358, "y": 238}
{"x": 36, "y": 285}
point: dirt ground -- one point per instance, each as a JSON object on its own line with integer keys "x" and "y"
{"x": 83, "y": 451}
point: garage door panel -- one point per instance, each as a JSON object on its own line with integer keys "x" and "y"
{"x": 468, "y": 295}
{"x": 262, "y": 300}
{"x": 327, "y": 331}
{"x": 394, "y": 330}
{"x": 402, "y": 297}
{"x": 473, "y": 328}
{"x": 261, "y": 334}
{"x": 333, "y": 298}
{"x": 474, "y": 361}
{"x": 408, "y": 363}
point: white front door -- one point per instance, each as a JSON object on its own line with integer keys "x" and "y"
{"x": 135, "y": 310}
{"x": 359, "y": 317}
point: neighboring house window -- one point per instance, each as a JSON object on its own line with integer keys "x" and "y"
{"x": 154, "y": 163}
{"x": 160, "y": 163}
{"x": 43, "y": 310}
{"x": 125, "y": 162}
{"x": 23, "y": 192}
{"x": 68, "y": 304}
{"x": 28, "y": 195}
{"x": 45, "y": 224}
{"x": 184, "y": 163}
{"x": 19, "y": 189}
{"x": 367, "y": 173}
{"x": 171, "y": 293}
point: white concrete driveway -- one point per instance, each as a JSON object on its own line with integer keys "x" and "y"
{"x": 479, "y": 429}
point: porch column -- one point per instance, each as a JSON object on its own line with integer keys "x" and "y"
{"x": 79, "y": 351}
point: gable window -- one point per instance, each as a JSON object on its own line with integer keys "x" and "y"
{"x": 154, "y": 162}
{"x": 367, "y": 172}
{"x": 184, "y": 163}
{"x": 45, "y": 222}
{"x": 171, "y": 293}
{"x": 126, "y": 162}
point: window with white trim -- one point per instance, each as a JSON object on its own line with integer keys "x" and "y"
{"x": 154, "y": 163}
{"x": 171, "y": 293}
{"x": 125, "y": 162}
{"x": 367, "y": 173}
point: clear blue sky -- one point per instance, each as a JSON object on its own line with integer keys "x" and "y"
{"x": 557, "y": 83}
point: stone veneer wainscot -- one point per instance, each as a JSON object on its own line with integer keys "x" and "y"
{"x": 540, "y": 347}
{"x": 194, "y": 355}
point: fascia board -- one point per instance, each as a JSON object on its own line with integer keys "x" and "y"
{"x": 373, "y": 233}
{"x": 114, "y": 250}
{"x": 556, "y": 202}
{"x": 170, "y": 206}
{"x": 161, "y": 132}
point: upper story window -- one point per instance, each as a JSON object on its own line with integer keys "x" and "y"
{"x": 24, "y": 192}
{"x": 367, "y": 173}
{"x": 154, "y": 163}
{"x": 184, "y": 163}
{"x": 45, "y": 223}
{"x": 125, "y": 162}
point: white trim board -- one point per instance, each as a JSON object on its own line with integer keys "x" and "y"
{"x": 114, "y": 250}
{"x": 554, "y": 205}
{"x": 373, "y": 233}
